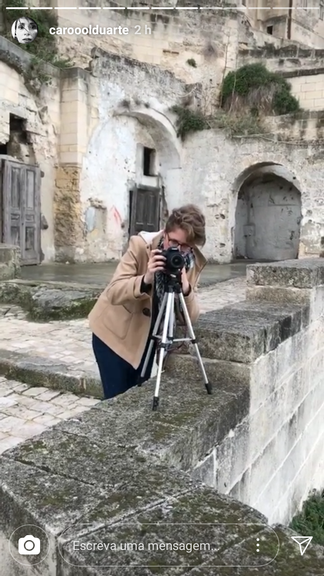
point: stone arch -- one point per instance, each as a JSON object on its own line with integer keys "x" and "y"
{"x": 268, "y": 213}
{"x": 111, "y": 172}
{"x": 162, "y": 132}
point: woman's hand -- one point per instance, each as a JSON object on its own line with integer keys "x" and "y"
{"x": 155, "y": 264}
{"x": 185, "y": 282}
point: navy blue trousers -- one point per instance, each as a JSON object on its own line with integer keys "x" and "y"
{"x": 117, "y": 376}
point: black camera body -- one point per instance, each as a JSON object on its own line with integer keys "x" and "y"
{"x": 174, "y": 260}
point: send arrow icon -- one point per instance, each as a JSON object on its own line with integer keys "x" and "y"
{"x": 303, "y": 542}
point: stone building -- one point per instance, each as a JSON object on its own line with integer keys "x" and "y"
{"x": 301, "y": 21}
{"x": 93, "y": 155}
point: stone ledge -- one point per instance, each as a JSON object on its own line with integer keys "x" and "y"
{"x": 279, "y": 295}
{"x": 245, "y": 331}
{"x": 46, "y": 301}
{"x": 304, "y": 273}
{"x": 39, "y": 371}
{"x": 105, "y": 475}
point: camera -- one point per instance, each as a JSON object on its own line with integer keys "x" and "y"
{"x": 29, "y": 545}
{"x": 174, "y": 260}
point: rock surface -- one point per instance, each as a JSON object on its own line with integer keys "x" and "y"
{"x": 98, "y": 480}
{"x": 50, "y": 301}
{"x": 9, "y": 262}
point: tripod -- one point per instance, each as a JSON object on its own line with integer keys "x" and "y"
{"x": 168, "y": 305}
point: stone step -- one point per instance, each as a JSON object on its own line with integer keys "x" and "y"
{"x": 40, "y": 371}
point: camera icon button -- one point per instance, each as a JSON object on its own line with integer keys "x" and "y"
{"x": 29, "y": 545}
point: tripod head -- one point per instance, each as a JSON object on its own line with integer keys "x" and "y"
{"x": 173, "y": 283}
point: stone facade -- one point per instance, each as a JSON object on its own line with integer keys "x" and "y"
{"x": 88, "y": 129}
{"x": 302, "y": 22}
{"x": 40, "y": 115}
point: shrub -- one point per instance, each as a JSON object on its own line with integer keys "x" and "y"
{"x": 255, "y": 88}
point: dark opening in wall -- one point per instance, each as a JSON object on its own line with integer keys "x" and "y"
{"x": 149, "y": 162}
{"x": 270, "y": 30}
{"x": 18, "y": 126}
{"x": 20, "y": 145}
{"x": 3, "y": 148}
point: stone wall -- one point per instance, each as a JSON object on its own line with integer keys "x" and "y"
{"x": 308, "y": 89}
{"x": 273, "y": 342}
{"x": 190, "y": 471}
{"x": 300, "y": 22}
{"x": 164, "y": 37}
{"x": 124, "y": 105}
{"x": 303, "y": 68}
{"x": 41, "y": 113}
{"x": 88, "y": 138}
{"x": 108, "y": 117}
{"x": 291, "y": 58}
{"x": 217, "y": 166}
{"x": 302, "y": 128}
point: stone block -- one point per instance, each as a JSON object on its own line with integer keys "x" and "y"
{"x": 233, "y": 457}
{"x": 223, "y": 375}
{"x": 48, "y": 302}
{"x": 304, "y": 273}
{"x": 243, "y": 332}
{"x": 9, "y": 262}
{"x": 279, "y": 295}
{"x": 205, "y": 471}
{"x": 173, "y": 432}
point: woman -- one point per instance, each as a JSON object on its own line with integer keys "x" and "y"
{"x": 24, "y": 30}
{"x": 123, "y": 318}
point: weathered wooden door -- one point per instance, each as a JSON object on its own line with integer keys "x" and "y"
{"x": 144, "y": 210}
{"x": 21, "y": 211}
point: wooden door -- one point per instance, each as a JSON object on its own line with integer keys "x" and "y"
{"x": 144, "y": 210}
{"x": 21, "y": 212}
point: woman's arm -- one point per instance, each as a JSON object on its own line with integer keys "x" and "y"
{"x": 126, "y": 284}
{"x": 192, "y": 305}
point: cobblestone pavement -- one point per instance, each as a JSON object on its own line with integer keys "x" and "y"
{"x": 27, "y": 411}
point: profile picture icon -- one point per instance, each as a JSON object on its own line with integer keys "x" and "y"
{"x": 24, "y": 30}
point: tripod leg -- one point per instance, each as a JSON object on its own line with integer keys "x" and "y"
{"x": 168, "y": 316}
{"x": 194, "y": 341}
{"x": 154, "y": 333}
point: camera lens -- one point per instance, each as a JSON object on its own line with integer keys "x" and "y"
{"x": 177, "y": 261}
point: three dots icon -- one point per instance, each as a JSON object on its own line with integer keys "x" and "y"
{"x": 258, "y": 545}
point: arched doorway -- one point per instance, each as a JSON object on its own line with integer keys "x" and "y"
{"x": 127, "y": 178}
{"x": 268, "y": 214}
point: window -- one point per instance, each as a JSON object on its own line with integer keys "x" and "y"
{"x": 148, "y": 162}
{"x": 270, "y": 30}
{"x": 321, "y": 14}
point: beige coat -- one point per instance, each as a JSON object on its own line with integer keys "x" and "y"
{"x": 121, "y": 317}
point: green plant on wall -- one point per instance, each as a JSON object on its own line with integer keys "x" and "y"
{"x": 188, "y": 121}
{"x": 255, "y": 88}
{"x": 44, "y": 47}
{"x": 310, "y": 521}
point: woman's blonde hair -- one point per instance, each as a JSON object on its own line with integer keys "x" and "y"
{"x": 190, "y": 219}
